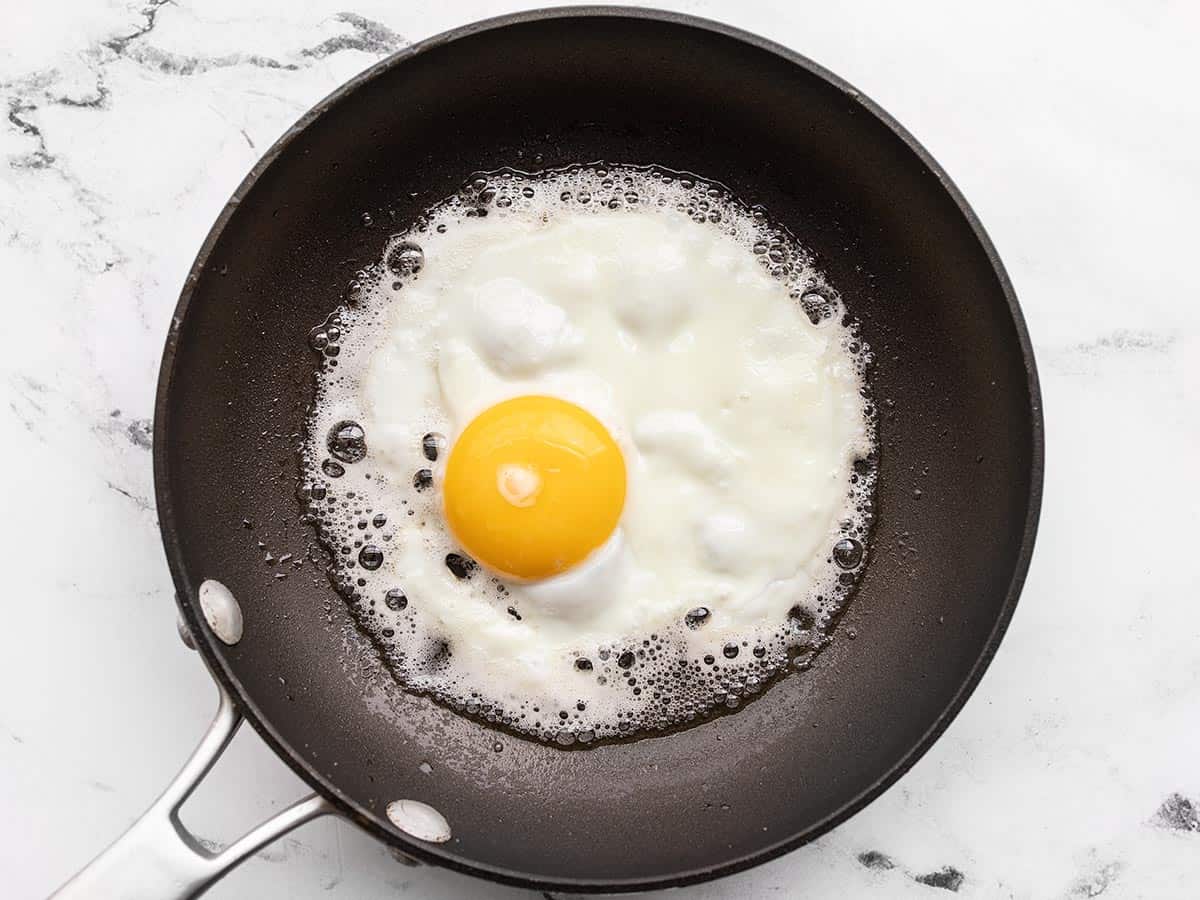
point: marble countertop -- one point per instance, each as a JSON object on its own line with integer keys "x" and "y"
{"x": 1074, "y": 771}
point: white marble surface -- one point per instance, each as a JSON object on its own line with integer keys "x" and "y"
{"x": 1072, "y": 129}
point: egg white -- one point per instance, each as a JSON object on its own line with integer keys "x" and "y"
{"x": 739, "y": 419}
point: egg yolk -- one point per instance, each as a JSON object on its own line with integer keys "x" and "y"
{"x": 532, "y": 486}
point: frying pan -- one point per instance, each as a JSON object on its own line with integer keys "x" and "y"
{"x": 959, "y": 487}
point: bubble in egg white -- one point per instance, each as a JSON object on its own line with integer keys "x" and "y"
{"x": 413, "y": 589}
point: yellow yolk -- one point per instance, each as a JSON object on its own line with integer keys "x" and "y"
{"x": 532, "y": 486}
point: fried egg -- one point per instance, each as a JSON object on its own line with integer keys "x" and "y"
{"x": 583, "y": 448}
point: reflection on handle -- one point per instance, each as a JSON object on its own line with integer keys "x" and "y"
{"x": 158, "y": 858}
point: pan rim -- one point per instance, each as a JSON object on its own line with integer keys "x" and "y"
{"x": 433, "y": 854}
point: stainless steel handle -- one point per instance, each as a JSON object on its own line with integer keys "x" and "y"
{"x": 158, "y": 858}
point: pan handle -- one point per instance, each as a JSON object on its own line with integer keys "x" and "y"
{"x": 158, "y": 858}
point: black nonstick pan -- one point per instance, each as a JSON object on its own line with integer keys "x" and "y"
{"x": 960, "y": 468}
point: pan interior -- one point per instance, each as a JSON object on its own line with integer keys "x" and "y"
{"x": 958, "y": 432}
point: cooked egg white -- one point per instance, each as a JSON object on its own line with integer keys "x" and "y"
{"x": 737, "y": 419}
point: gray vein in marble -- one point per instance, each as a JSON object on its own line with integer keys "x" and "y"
{"x": 137, "y": 431}
{"x": 1085, "y": 356}
{"x": 150, "y": 19}
{"x": 97, "y": 100}
{"x": 948, "y": 878}
{"x": 873, "y": 859}
{"x": 1097, "y": 882}
{"x": 180, "y": 64}
{"x": 25, "y": 418}
{"x": 29, "y": 403}
{"x": 1177, "y": 813}
{"x": 1124, "y": 340}
{"x": 140, "y": 433}
{"x": 34, "y": 386}
{"x": 140, "y": 502}
{"x": 39, "y": 158}
{"x": 368, "y": 36}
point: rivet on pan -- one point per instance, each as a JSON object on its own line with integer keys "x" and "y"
{"x": 419, "y": 820}
{"x": 221, "y": 611}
